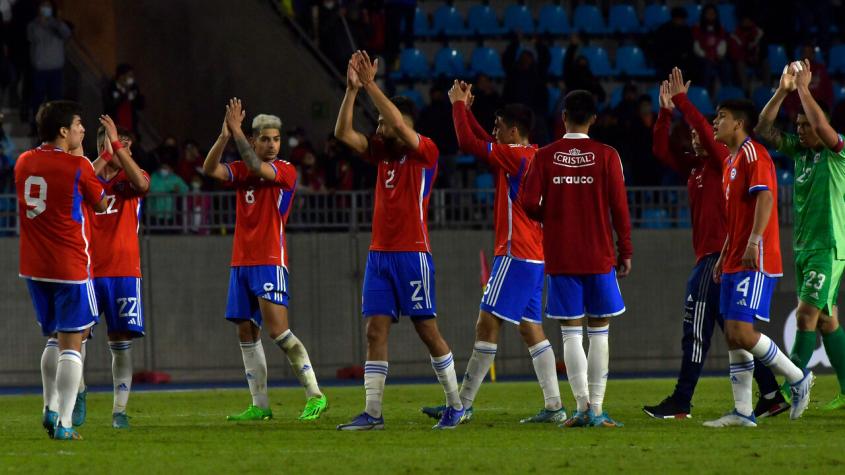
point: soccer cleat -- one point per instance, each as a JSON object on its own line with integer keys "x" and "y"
{"x": 579, "y": 419}
{"x": 51, "y": 418}
{"x": 363, "y": 421}
{"x": 669, "y": 408}
{"x": 314, "y": 408}
{"x": 770, "y": 407}
{"x": 604, "y": 420}
{"x": 451, "y": 418}
{"x": 801, "y": 394}
{"x": 63, "y": 433}
{"x": 733, "y": 419}
{"x": 252, "y": 413}
{"x": 119, "y": 420}
{"x": 837, "y": 403}
{"x": 436, "y": 412}
{"x": 546, "y": 415}
{"x": 79, "y": 409}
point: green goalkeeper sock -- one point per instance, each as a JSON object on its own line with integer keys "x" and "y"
{"x": 802, "y": 350}
{"x": 834, "y": 345}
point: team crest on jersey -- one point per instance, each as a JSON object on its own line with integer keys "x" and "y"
{"x": 574, "y": 158}
{"x": 733, "y": 173}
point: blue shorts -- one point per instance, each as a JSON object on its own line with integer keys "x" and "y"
{"x": 746, "y": 296}
{"x": 399, "y": 283}
{"x": 61, "y": 307}
{"x": 591, "y": 295}
{"x": 119, "y": 299}
{"x": 249, "y": 283}
{"x": 515, "y": 291}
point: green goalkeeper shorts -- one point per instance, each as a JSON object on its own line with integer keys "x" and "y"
{"x": 818, "y": 273}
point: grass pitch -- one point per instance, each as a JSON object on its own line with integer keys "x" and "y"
{"x": 186, "y": 432}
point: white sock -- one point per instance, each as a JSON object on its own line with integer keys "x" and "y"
{"x": 576, "y": 365}
{"x": 543, "y": 357}
{"x": 375, "y": 374}
{"x": 121, "y": 373}
{"x": 766, "y": 351}
{"x": 444, "y": 368}
{"x": 597, "y": 366}
{"x": 483, "y": 354}
{"x": 82, "y": 386}
{"x": 68, "y": 372}
{"x": 255, "y": 367}
{"x": 299, "y": 363}
{"x": 49, "y": 362}
{"x": 742, "y": 372}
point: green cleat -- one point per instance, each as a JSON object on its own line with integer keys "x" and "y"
{"x": 546, "y": 415}
{"x": 119, "y": 420}
{"x": 314, "y": 408}
{"x": 79, "y": 409}
{"x": 252, "y": 413}
{"x": 837, "y": 403}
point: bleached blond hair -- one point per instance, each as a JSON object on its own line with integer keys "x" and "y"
{"x": 266, "y": 121}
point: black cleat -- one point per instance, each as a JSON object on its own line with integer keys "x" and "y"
{"x": 770, "y": 407}
{"x": 668, "y": 409}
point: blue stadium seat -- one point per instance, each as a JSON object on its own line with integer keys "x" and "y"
{"x": 556, "y": 55}
{"x": 598, "y": 59}
{"x": 553, "y": 20}
{"x": 518, "y": 19}
{"x": 838, "y": 93}
{"x": 588, "y": 19}
{"x": 421, "y": 25}
{"x": 450, "y": 63}
{"x": 413, "y": 95}
{"x": 412, "y": 65}
{"x": 700, "y": 98}
{"x": 727, "y": 16}
{"x": 654, "y": 93}
{"x": 693, "y": 13}
{"x": 616, "y": 97}
{"x": 729, "y": 92}
{"x": 630, "y": 60}
{"x": 837, "y": 59}
{"x": 554, "y": 96}
{"x": 761, "y": 96}
{"x": 448, "y": 21}
{"x": 684, "y": 220}
{"x": 777, "y": 59}
{"x": 623, "y": 19}
{"x": 655, "y": 218}
{"x": 817, "y": 54}
{"x": 483, "y": 21}
{"x": 487, "y": 60}
{"x": 655, "y": 15}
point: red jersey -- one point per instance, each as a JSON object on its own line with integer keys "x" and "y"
{"x": 747, "y": 173}
{"x": 51, "y": 187}
{"x": 574, "y": 187}
{"x": 261, "y": 213}
{"x": 114, "y": 245}
{"x": 403, "y": 187}
{"x": 517, "y": 235}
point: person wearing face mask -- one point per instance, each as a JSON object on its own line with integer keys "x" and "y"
{"x": 47, "y": 36}
{"x": 162, "y": 209}
{"x": 123, "y": 99}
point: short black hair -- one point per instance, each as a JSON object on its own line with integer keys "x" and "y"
{"x": 123, "y": 68}
{"x": 122, "y": 132}
{"x": 54, "y": 115}
{"x": 580, "y": 106}
{"x": 406, "y": 106}
{"x": 741, "y": 109}
{"x": 519, "y": 116}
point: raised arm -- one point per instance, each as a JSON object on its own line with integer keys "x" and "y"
{"x": 476, "y": 128}
{"x": 343, "y": 128}
{"x": 716, "y": 152}
{"x": 814, "y": 113}
{"x": 660, "y": 134}
{"x": 366, "y": 70}
{"x": 468, "y": 142}
{"x": 211, "y": 167}
{"x": 766, "y": 129}
{"x": 257, "y": 167}
{"x": 136, "y": 176}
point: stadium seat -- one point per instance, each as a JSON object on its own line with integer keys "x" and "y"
{"x": 450, "y": 63}
{"x": 727, "y": 16}
{"x": 837, "y": 59}
{"x": 413, "y": 95}
{"x": 684, "y": 220}
{"x": 483, "y": 21}
{"x": 421, "y": 25}
{"x": 556, "y": 55}
{"x": 518, "y": 19}
{"x": 615, "y": 97}
{"x": 554, "y": 96}
{"x": 448, "y": 21}
{"x": 412, "y": 65}
{"x": 655, "y": 218}
{"x": 630, "y": 60}
{"x": 598, "y": 59}
{"x": 700, "y": 98}
{"x": 655, "y": 15}
{"x": 761, "y": 96}
{"x": 623, "y": 19}
{"x": 817, "y": 56}
{"x": 838, "y": 93}
{"x": 729, "y": 92}
{"x": 588, "y": 19}
{"x": 553, "y": 20}
{"x": 654, "y": 93}
{"x": 693, "y": 13}
{"x": 487, "y": 60}
{"x": 777, "y": 59}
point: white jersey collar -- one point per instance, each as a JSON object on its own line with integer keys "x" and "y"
{"x": 575, "y": 136}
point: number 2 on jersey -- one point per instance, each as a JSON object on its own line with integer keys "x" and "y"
{"x": 37, "y": 204}
{"x": 391, "y": 176}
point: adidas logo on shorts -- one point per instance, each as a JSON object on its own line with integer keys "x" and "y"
{"x": 418, "y": 306}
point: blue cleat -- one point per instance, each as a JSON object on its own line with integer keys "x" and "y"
{"x": 363, "y": 421}
{"x": 451, "y": 418}
{"x": 51, "y": 418}
{"x": 79, "y": 409}
{"x": 579, "y": 419}
{"x": 801, "y": 394}
{"x": 604, "y": 420}
{"x": 63, "y": 433}
{"x": 546, "y": 416}
{"x": 119, "y": 420}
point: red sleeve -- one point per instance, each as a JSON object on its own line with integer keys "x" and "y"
{"x": 426, "y": 153}
{"x": 285, "y": 174}
{"x": 90, "y": 187}
{"x": 237, "y": 172}
{"x": 533, "y": 189}
{"x": 660, "y": 144}
{"x": 761, "y": 169}
{"x": 468, "y": 141}
{"x": 477, "y": 129}
{"x": 130, "y": 191}
{"x": 618, "y": 198}
{"x": 716, "y": 152}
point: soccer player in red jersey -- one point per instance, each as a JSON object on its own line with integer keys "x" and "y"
{"x": 750, "y": 263}
{"x": 576, "y": 183}
{"x": 514, "y": 292}
{"x": 258, "y": 290}
{"x": 703, "y": 169}
{"x": 51, "y": 187}
{"x": 399, "y": 278}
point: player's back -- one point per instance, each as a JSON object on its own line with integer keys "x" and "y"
{"x": 51, "y": 186}
{"x": 517, "y": 235}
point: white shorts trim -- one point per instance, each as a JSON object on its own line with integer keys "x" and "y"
{"x": 56, "y": 281}
{"x": 608, "y": 315}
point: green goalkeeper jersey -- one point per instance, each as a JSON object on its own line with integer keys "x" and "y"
{"x": 818, "y": 196}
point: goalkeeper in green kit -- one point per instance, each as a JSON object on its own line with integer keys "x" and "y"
{"x": 819, "y": 232}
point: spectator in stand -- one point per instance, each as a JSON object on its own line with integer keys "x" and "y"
{"x": 373, "y": 17}
{"x": 162, "y": 209}
{"x": 312, "y": 177}
{"x": 8, "y": 72}
{"x": 711, "y": 47}
{"x": 627, "y": 112}
{"x": 672, "y": 44}
{"x": 435, "y": 121}
{"x": 821, "y": 86}
{"x": 47, "y": 36}
{"x": 745, "y": 48}
{"x": 341, "y": 175}
{"x": 399, "y": 32}
{"x": 299, "y": 145}
{"x": 167, "y": 152}
{"x": 123, "y": 99}
{"x": 191, "y": 163}
{"x": 329, "y": 27}
{"x": 526, "y": 68}
{"x": 486, "y": 101}
{"x": 577, "y": 73}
